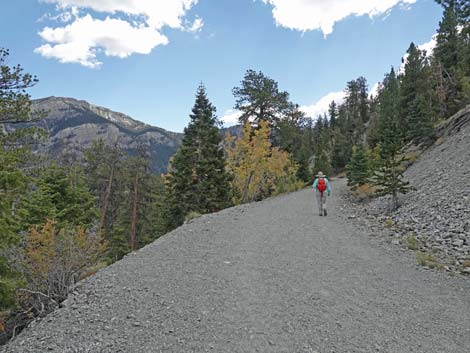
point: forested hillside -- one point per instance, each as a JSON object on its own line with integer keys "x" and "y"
{"x": 61, "y": 220}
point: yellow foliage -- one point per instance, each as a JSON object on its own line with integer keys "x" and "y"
{"x": 53, "y": 259}
{"x": 365, "y": 191}
{"x": 258, "y": 169}
{"x": 373, "y": 158}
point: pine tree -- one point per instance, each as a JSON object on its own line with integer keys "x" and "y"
{"x": 104, "y": 166}
{"x": 322, "y": 163}
{"x": 61, "y": 194}
{"x": 358, "y": 169}
{"x": 131, "y": 198}
{"x": 333, "y": 113}
{"x": 198, "y": 181}
{"x": 15, "y": 108}
{"x": 259, "y": 98}
{"x": 341, "y": 152}
{"x": 372, "y": 132}
{"x": 389, "y": 178}
{"x": 292, "y": 136}
{"x": 364, "y": 113}
{"x": 449, "y": 56}
{"x": 416, "y": 97}
{"x": 464, "y": 19}
{"x": 356, "y": 109}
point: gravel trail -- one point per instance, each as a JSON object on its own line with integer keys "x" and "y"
{"x": 266, "y": 277}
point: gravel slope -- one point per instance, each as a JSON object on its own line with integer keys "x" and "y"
{"x": 265, "y": 277}
{"x": 438, "y": 212}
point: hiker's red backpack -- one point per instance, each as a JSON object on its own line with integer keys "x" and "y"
{"x": 321, "y": 186}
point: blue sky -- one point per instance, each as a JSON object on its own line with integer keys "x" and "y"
{"x": 147, "y": 61}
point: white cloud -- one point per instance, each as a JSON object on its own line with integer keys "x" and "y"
{"x": 230, "y": 117}
{"x": 135, "y": 28}
{"x": 157, "y": 13}
{"x": 428, "y": 47}
{"x": 77, "y": 42}
{"x": 321, "y": 106}
{"x": 196, "y": 26}
{"x": 307, "y": 15}
{"x": 375, "y": 90}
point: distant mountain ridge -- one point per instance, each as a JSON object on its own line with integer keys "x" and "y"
{"x": 73, "y": 125}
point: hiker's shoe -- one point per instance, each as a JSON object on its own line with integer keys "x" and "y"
{"x": 321, "y": 214}
{"x": 325, "y": 213}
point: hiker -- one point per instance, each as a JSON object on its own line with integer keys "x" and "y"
{"x": 322, "y": 187}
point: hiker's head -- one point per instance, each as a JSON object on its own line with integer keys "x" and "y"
{"x": 320, "y": 175}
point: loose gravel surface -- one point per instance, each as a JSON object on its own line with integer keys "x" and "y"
{"x": 266, "y": 277}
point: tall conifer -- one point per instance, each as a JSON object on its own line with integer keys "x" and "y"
{"x": 357, "y": 170}
{"x": 198, "y": 181}
{"x": 416, "y": 97}
{"x": 389, "y": 178}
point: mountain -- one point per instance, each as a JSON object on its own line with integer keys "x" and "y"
{"x": 73, "y": 125}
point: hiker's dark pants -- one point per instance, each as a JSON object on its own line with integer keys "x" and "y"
{"x": 321, "y": 199}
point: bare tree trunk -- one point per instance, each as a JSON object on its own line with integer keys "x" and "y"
{"x": 394, "y": 201}
{"x": 134, "y": 214}
{"x": 106, "y": 199}
{"x": 247, "y": 188}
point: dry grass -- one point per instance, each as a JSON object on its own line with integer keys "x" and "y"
{"x": 192, "y": 215}
{"x": 413, "y": 156}
{"x": 440, "y": 141}
{"x": 93, "y": 270}
{"x": 389, "y": 223}
{"x": 3, "y": 316}
{"x": 365, "y": 192}
{"x": 466, "y": 264}
{"x": 428, "y": 260}
{"x": 411, "y": 243}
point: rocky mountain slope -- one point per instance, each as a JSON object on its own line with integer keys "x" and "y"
{"x": 73, "y": 125}
{"x": 437, "y": 214}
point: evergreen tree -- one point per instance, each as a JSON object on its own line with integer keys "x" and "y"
{"x": 333, "y": 113}
{"x": 198, "y": 181}
{"x": 105, "y": 170}
{"x": 259, "y": 98}
{"x": 15, "y": 103}
{"x": 389, "y": 178}
{"x": 416, "y": 97}
{"x": 447, "y": 41}
{"x": 356, "y": 109}
{"x": 15, "y": 107}
{"x": 449, "y": 56}
{"x": 293, "y": 137}
{"x": 131, "y": 198}
{"x": 464, "y": 19}
{"x": 358, "y": 169}
{"x": 322, "y": 163}
{"x": 61, "y": 194}
{"x": 341, "y": 152}
{"x": 372, "y": 132}
{"x": 363, "y": 101}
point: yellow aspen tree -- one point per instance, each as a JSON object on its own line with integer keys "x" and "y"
{"x": 258, "y": 169}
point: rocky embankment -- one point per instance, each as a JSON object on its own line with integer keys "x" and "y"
{"x": 436, "y": 216}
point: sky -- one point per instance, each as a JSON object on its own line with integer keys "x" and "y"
{"x": 146, "y": 58}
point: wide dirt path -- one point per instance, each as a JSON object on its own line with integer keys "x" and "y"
{"x": 266, "y": 277}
